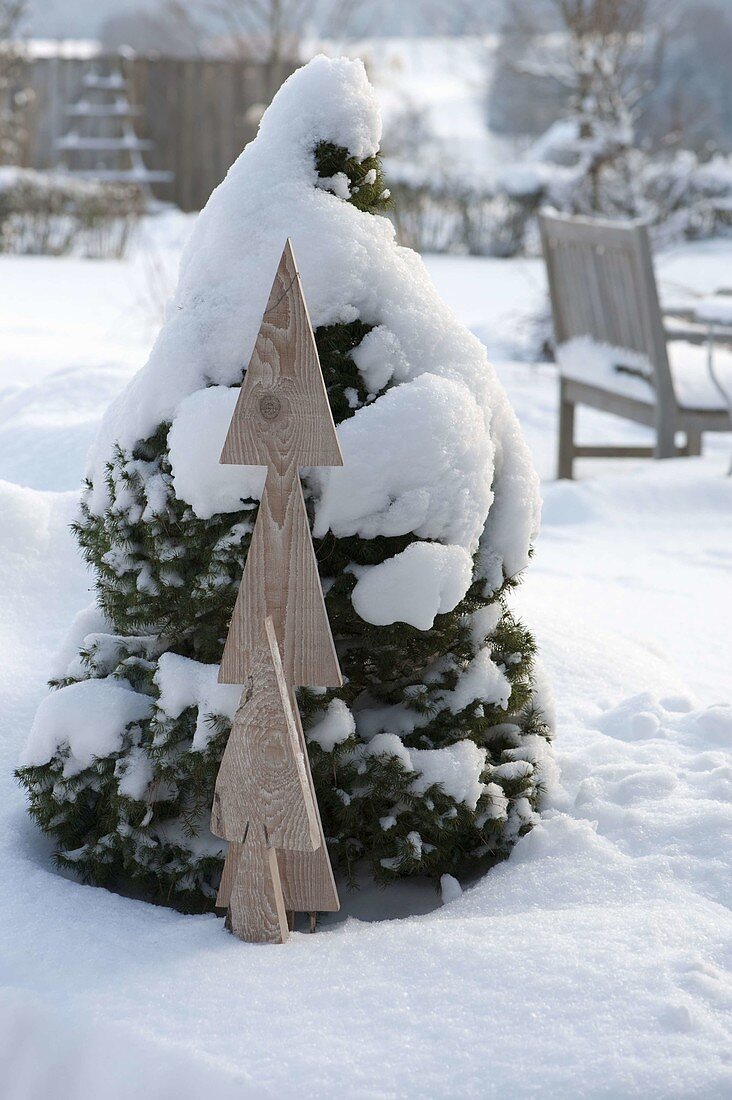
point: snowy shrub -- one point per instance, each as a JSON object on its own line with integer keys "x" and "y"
{"x": 608, "y": 70}
{"x": 676, "y": 194}
{"x": 448, "y": 217}
{"x": 51, "y": 214}
{"x": 425, "y": 218}
{"x": 433, "y": 757}
{"x": 435, "y": 208}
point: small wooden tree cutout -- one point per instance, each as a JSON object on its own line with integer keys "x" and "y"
{"x": 279, "y": 638}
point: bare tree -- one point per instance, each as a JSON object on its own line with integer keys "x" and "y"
{"x": 172, "y": 29}
{"x": 460, "y": 17}
{"x": 605, "y": 65}
{"x": 15, "y": 99}
{"x": 274, "y": 30}
{"x": 693, "y": 102}
{"x": 606, "y": 55}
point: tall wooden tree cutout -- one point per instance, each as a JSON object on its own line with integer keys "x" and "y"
{"x": 279, "y": 638}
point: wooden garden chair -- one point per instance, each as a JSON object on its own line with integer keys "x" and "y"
{"x": 603, "y": 295}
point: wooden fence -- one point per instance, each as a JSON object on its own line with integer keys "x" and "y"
{"x": 198, "y": 113}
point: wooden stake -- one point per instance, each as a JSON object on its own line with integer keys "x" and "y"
{"x": 231, "y": 864}
{"x": 307, "y": 877}
{"x": 264, "y": 790}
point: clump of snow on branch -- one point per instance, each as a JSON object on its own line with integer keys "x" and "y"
{"x": 90, "y": 717}
{"x": 195, "y": 441}
{"x": 184, "y": 683}
{"x": 457, "y": 768}
{"x": 335, "y": 726}
{"x": 90, "y": 620}
{"x": 418, "y": 459}
{"x": 90, "y": 647}
{"x": 483, "y": 682}
{"x": 379, "y": 358}
{"x": 484, "y": 621}
{"x": 425, "y": 580}
{"x": 134, "y": 774}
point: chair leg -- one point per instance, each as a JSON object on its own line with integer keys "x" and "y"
{"x": 693, "y": 443}
{"x": 566, "y": 435}
{"x": 665, "y": 446}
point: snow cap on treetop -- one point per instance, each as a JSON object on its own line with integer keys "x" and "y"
{"x": 335, "y": 102}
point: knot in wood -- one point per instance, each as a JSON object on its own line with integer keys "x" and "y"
{"x": 270, "y": 406}
{"x": 276, "y": 753}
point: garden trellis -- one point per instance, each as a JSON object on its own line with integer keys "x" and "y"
{"x": 279, "y": 638}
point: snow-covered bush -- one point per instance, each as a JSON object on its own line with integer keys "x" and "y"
{"x": 433, "y": 757}
{"x": 51, "y": 214}
{"x": 675, "y": 193}
{"x": 608, "y": 66}
{"x": 444, "y": 216}
{"x": 438, "y": 206}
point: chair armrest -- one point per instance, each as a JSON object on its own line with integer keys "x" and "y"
{"x": 697, "y": 332}
{"x": 678, "y": 313}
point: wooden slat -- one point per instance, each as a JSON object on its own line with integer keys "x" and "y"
{"x": 612, "y": 450}
{"x": 262, "y": 777}
{"x": 581, "y": 393}
{"x": 308, "y": 885}
{"x": 704, "y": 420}
{"x": 256, "y": 906}
{"x": 231, "y": 863}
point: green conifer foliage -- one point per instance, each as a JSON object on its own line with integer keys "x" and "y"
{"x": 167, "y": 580}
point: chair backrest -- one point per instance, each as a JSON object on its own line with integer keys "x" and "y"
{"x": 602, "y": 285}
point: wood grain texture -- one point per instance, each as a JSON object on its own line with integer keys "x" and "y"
{"x": 263, "y": 778}
{"x": 264, "y": 801}
{"x": 283, "y": 420}
{"x": 231, "y": 864}
{"x": 307, "y": 879}
{"x": 281, "y": 580}
{"x": 256, "y": 906}
{"x": 283, "y": 416}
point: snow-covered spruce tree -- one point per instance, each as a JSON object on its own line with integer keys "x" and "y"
{"x": 434, "y": 754}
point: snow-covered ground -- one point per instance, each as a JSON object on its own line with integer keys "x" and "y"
{"x": 594, "y": 963}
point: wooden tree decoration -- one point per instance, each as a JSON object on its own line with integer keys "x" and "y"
{"x": 279, "y": 638}
{"x": 101, "y": 142}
